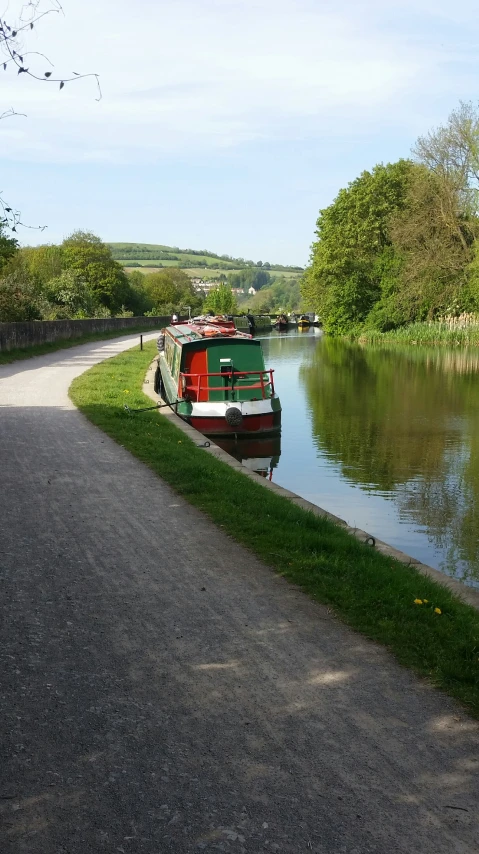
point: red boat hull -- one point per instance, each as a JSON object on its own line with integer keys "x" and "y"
{"x": 252, "y": 424}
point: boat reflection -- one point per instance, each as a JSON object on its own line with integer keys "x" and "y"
{"x": 260, "y": 454}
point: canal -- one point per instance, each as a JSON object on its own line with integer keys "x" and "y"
{"x": 387, "y": 439}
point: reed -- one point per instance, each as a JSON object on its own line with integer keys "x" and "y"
{"x": 450, "y": 330}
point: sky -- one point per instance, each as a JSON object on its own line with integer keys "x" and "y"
{"x": 223, "y": 124}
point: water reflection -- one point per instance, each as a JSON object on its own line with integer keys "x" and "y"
{"x": 386, "y": 439}
{"x": 259, "y": 455}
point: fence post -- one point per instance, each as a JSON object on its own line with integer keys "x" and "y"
{"x": 141, "y": 342}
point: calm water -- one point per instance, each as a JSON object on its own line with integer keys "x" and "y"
{"x": 387, "y": 440}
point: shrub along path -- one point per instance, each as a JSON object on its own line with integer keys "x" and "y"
{"x": 165, "y": 690}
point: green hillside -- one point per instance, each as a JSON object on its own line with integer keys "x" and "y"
{"x": 158, "y": 255}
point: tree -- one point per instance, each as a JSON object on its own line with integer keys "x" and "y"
{"x": 434, "y": 236}
{"x": 251, "y": 277}
{"x": 71, "y": 296}
{"x": 42, "y": 262}
{"x": 18, "y": 300}
{"x": 139, "y": 299}
{"x": 345, "y": 276}
{"x": 170, "y": 290}
{"x": 452, "y": 153}
{"x": 221, "y": 300}
{"x": 8, "y": 248}
{"x": 86, "y": 254}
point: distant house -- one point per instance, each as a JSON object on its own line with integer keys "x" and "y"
{"x": 238, "y": 291}
{"x": 205, "y": 287}
{"x": 251, "y": 291}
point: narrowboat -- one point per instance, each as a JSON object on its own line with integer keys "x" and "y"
{"x": 304, "y": 322}
{"x": 215, "y": 379}
{"x": 281, "y": 323}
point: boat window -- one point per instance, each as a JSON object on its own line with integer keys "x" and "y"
{"x": 169, "y": 350}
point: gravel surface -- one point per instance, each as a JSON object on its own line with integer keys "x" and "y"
{"x": 163, "y": 691}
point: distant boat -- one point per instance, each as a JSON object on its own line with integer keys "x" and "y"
{"x": 281, "y": 323}
{"x": 215, "y": 379}
{"x": 304, "y": 322}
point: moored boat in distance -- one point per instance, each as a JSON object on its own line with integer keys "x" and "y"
{"x": 215, "y": 379}
{"x": 304, "y": 322}
{"x": 252, "y": 322}
{"x": 281, "y": 323}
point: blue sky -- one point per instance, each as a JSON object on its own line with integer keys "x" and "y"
{"x": 225, "y": 125}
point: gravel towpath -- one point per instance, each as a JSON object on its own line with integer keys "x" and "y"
{"x": 163, "y": 691}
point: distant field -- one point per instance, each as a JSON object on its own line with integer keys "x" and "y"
{"x": 152, "y": 255}
{"x": 201, "y": 273}
{"x": 182, "y": 259}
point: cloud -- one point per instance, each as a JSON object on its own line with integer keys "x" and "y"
{"x": 187, "y": 77}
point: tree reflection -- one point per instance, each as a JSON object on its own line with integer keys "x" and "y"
{"x": 403, "y": 421}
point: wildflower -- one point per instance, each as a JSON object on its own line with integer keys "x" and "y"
{"x": 126, "y": 391}
{"x": 425, "y": 601}
{"x": 437, "y": 611}
{"x": 418, "y": 601}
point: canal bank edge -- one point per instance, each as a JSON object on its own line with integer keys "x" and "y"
{"x": 467, "y": 594}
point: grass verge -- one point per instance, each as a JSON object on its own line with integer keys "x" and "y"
{"x": 50, "y": 347}
{"x": 372, "y": 593}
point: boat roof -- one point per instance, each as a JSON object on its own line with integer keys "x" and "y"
{"x": 185, "y": 333}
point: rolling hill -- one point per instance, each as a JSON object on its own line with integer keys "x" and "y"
{"x": 154, "y": 255}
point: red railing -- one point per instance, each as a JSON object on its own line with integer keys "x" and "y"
{"x": 265, "y": 381}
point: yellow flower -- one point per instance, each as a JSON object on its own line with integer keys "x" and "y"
{"x": 418, "y": 601}
{"x": 437, "y": 611}
{"x": 425, "y": 601}
{"x": 126, "y": 391}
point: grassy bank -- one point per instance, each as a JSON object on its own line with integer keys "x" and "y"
{"x": 421, "y": 622}
{"x": 50, "y": 347}
{"x": 426, "y": 333}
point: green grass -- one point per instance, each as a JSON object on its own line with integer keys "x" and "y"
{"x": 128, "y": 252}
{"x": 373, "y": 594}
{"x": 159, "y": 262}
{"x": 425, "y": 333}
{"x": 200, "y": 272}
{"x": 65, "y": 343}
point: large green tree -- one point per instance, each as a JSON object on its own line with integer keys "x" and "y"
{"x": 87, "y": 255}
{"x": 434, "y": 236}
{"x": 221, "y": 300}
{"x": 351, "y": 260}
{"x": 171, "y": 290}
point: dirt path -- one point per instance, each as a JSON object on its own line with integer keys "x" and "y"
{"x": 163, "y": 691}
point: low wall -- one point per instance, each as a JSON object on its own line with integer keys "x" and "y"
{"x": 33, "y": 332}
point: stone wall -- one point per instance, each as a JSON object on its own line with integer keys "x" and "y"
{"x": 33, "y": 332}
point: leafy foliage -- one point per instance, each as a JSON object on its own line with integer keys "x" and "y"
{"x": 349, "y": 258}
{"x": 399, "y": 244}
{"x": 77, "y": 279}
{"x": 281, "y": 295}
{"x": 221, "y": 300}
{"x": 85, "y": 253}
{"x": 170, "y": 291}
{"x": 18, "y": 300}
